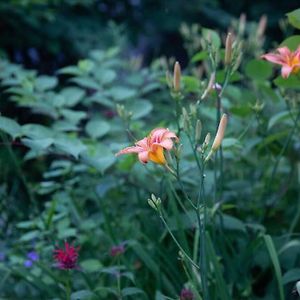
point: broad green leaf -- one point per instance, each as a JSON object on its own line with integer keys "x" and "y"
{"x": 44, "y": 83}
{"x": 86, "y": 82}
{"x": 139, "y": 108}
{"x": 10, "y": 127}
{"x": 72, "y": 95}
{"x": 258, "y": 69}
{"x": 97, "y": 128}
{"x": 120, "y": 93}
{"x": 98, "y": 156}
{"x": 279, "y": 117}
{"x": 66, "y": 233}
{"x": 82, "y": 295}
{"x": 292, "y": 42}
{"x": 36, "y": 131}
{"x": 293, "y": 81}
{"x": 212, "y": 36}
{"x": 69, "y": 145}
{"x": 29, "y": 236}
{"x": 130, "y": 291}
{"x": 190, "y": 83}
{"x": 38, "y": 144}
{"x": 91, "y": 265}
{"x": 292, "y": 275}
{"x": 202, "y": 55}
{"x": 294, "y": 18}
{"x": 73, "y": 116}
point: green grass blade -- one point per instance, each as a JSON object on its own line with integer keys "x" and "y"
{"x": 275, "y": 261}
{"x": 220, "y": 282}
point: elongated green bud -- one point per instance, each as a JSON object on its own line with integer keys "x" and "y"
{"x": 228, "y": 49}
{"x": 177, "y": 77}
{"x": 262, "y": 25}
{"x": 154, "y": 202}
{"x": 198, "y": 130}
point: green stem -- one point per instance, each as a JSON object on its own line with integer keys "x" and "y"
{"x": 176, "y": 242}
{"x": 68, "y": 286}
{"x": 119, "y": 281}
{"x": 202, "y": 229}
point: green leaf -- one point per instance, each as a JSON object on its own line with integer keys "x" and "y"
{"x": 294, "y": 18}
{"x": 139, "y": 108}
{"x": 98, "y": 156}
{"x": 97, "y": 128}
{"x": 212, "y": 36}
{"x": 191, "y": 83}
{"x": 293, "y": 81}
{"x": 73, "y": 116}
{"x": 291, "y": 276}
{"x": 130, "y": 291}
{"x": 279, "y": 117}
{"x": 39, "y": 144}
{"x": 69, "y": 145}
{"x": 72, "y": 95}
{"x": 82, "y": 295}
{"x": 36, "y": 131}
{"x": 258, "y": 69}
{"x": 10, "y": 127}
{"x": 86, "y": 82}
{"x": 121, "y": 93}
{"x": 29, "y": 236}
{"x": 44, "y": 83}
{"x": 291, "y": 42}
{"x": 91, "y": 265}
{"x": 202, "y": 55}
{"x": 66, "y": 233}
{"x": 275, "y": 261}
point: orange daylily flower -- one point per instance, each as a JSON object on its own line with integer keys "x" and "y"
{"x": 152, "y": 147}
{"x": 290, "y": 60}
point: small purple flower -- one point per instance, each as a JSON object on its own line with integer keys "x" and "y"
{"x": 28, "y": 263}
{"x": 33, "y": 256}
{"x": 2, "y": 256}
{"x": 186, "y": 294}
{"x": 117, "y": 250}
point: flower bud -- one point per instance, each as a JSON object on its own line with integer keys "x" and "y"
{"x": 186, "y": 119}
{"x": 228, "y": 49}
{"x": 198, "y": 130}
{"x": 220, "y": 133}
{"x": 154, "y": 202}
{"x": 210, "y": 85}
{"x": 242, "y": 24}
{"x": 262, "y": 25}
{"x": 177, "y": 77}
{"x": 219, "y": 137}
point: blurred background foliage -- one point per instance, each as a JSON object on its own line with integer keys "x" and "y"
{"x": 80, "y": 80}
{"x": 52, "y": 33}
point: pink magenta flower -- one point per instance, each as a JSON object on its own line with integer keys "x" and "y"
{"x": 66, "y": 259}
{"x": 117, "y": 250}
{"x": 289, "y": 60}
{"x": 152, "y": 147}
{"x": 186, "y": 294}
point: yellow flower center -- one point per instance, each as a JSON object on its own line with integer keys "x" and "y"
{"x": 157, "y": 155}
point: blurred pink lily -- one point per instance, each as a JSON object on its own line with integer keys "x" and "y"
{"x": 152, "y": 147}
{"x": 290, "y": 60}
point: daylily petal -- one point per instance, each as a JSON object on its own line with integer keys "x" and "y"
{"x": 143, "y": 143}
{"x": 284, "y": 51}
{"x": 143, "y": 157}
{"x": 157, "y": 155}
{"x": 286, "y": 71}
{"x": 156, "y": 135}
{"x": 133, "y": 149}
{"x": 274, "y": 58}
{"x": 166, "y": 143}
{"x": 169, "y": 134}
